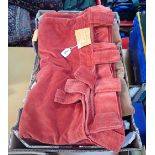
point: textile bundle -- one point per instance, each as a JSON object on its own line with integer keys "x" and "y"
{"x": 76, "y": 98}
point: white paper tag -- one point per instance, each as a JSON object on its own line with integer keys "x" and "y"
{"x": 66, "y": 52}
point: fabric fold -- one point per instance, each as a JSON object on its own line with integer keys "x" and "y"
{"x": 76, "y": 98}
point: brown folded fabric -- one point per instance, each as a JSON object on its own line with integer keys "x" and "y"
{"x": 127, "y": 108}
{"x": 116, "y": 36}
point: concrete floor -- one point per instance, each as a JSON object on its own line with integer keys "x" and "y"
{"x": 20, "y": 67}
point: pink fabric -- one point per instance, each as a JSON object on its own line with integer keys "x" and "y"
{"x": 75, "y": 100}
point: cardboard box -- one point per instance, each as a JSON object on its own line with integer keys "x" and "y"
{"x": 17, "y": 144}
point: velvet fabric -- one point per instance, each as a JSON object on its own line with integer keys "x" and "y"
{"x": 126, "y": 105}
{"x": 76, "y": 99}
